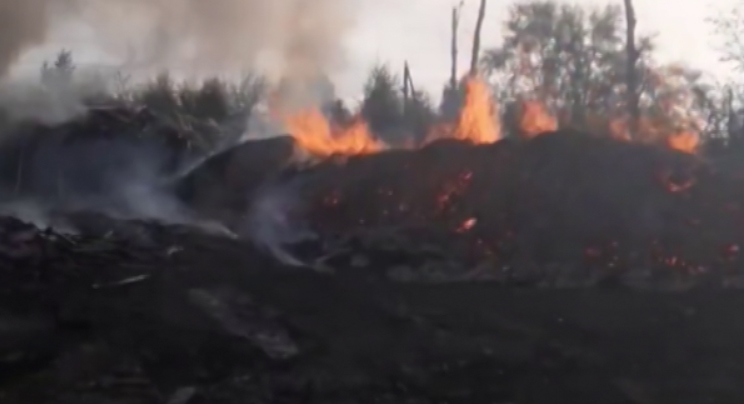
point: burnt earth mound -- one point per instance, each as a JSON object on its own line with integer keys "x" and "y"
{"x": 563, "y": 208}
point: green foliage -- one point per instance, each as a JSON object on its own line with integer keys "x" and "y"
{"x": 390, "y": 115}
{"x": 570, "y": 58}
{"x": 574, "y": 60}
{"x": 420, "y": 115}
{"x": 210, "y": 101}
{"x": 382, "y": 105}
{"x": 159, "y": 95}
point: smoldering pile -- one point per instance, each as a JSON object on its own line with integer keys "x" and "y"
{"x": 563, "y": 208}
{"x": 118, "y": 159}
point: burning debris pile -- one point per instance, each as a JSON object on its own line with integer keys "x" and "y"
{"x": 560, "y": 208}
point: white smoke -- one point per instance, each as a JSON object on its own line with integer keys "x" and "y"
{"x": 273, "y": 221}
{"x": 289, "y": 38}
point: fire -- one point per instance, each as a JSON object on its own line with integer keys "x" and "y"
{"x": 667, "y": 121}
{"x": 686, "y": 142}
{"x": 477, "y": 121}
{"x": 535, "y": 119}
{"x": 657, "y": 131}
{"x": 316, "y": 135}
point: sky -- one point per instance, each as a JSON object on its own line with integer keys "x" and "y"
{"x": 418, "y": 31}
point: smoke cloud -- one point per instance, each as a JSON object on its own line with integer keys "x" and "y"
{"x": 23, "y": 25}
{"x": 290, "y": 38}
{"x": 297, "y": 42}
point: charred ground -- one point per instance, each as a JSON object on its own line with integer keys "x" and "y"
{"x": 566, "y": 268}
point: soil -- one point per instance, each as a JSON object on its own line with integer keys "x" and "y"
{"x": 148, "y": 313}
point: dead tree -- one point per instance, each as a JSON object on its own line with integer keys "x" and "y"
{"x": 477, "y": 39}
{"x": 453, "y": 46}
{"x": 408, "y": 90}
{"x": 632, "y": 55}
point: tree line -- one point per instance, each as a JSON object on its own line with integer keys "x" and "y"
{"x": 586, "y": 65}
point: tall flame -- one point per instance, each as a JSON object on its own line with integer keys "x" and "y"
{"x": 477, "y": 121}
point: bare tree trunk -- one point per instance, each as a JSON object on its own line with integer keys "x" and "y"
{"x": 409, "y": 80}
{"x": 477, "y": 39}
{"x": 632, "y": 79}
{"x": 406, "y": 90}
{"x": 453, "y": 45}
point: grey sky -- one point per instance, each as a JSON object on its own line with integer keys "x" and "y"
{"x": 418, "y": 30}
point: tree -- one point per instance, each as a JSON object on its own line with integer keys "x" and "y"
{"x": 729, "y": 28}
{"x": 570, "y": 59}
{"x": 382, "y": 106}
{"x": 631, "y": 55}
{"x": 210, "y": 101}
{"x": 475, "y": 54}
{"x": 247, "y": 94}
{"x": 574, "y": 60}
{"x": 420, "y": 116}
{"x": 160, "y": 95}
{"x": 60, "y": 73}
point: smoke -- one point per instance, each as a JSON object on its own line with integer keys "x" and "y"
{"x": 23, "y": 25}
{"x": 273, "y": 221}
{"x": 291, "y": 38}
{"x": 299, "y": 43}
{"x": 51, "y": 103}
{"x": 122, "y": 178}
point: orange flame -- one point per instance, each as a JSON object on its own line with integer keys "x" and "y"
{"x": 477, "y": 121}
{"x": 668, "y": 121}
{"x": 686, "y": 142}
{"x": 658, "y": 132}
{"x": 535, "y": 119}
{"x": 317, "y": 136}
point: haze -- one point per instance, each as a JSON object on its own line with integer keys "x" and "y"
{"x": 392, "y": 31}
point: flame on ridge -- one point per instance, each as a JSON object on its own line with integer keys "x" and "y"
{"x": 316, "y": 135}
{"x": 478, "y": 122}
